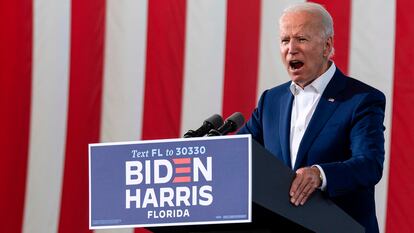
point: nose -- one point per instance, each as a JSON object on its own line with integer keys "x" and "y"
{"x": 292, "y": 47}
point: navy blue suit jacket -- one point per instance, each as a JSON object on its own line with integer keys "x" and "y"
{"x": 345, "y": 137}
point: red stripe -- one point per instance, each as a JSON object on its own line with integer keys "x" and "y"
{"x": 164, "y": 69}
{"x": 86, "y": 68}
{"x": 341, "y": 14}
{"x": 400, "y": 204}
{"x": 182, "y": 161}
{"x": 183, "y": 170}
{"x": 242, "y": 57}
{"x": 182, "y": 179}
{"x": 15, "y": 92}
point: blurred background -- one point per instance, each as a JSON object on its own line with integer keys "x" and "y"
{"x": 74, "y": 72}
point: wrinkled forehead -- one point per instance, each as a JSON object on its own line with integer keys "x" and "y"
{"x": 300, "y": 22}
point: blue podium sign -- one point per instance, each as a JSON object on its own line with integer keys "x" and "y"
{"x": 170, "y": 182}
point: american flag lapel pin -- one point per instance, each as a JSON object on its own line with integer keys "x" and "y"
{"x": 331, "y": 100}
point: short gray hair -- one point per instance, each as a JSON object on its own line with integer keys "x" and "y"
{"x": 314, "y": 8}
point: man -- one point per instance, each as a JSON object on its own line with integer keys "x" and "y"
{"x": 324, "y": 125}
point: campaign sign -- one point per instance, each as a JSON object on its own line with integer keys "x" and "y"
{"x": 170, "y": 182}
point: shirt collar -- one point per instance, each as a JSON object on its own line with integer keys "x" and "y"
{"x": 320, "y": 83}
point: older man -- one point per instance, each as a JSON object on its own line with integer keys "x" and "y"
{"x": 324, "y": 125}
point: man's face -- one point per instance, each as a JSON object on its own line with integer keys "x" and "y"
{"x": 304, "y": 49}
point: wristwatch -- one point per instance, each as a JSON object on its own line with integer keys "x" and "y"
{"x": 320, "y": 175}
{"x": 321, "y": 178}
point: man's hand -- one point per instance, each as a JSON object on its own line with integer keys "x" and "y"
{"x": 306, "y": 181}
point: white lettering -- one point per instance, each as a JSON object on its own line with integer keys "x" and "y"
{"x": 182, "y": 195}
{"x": 150, "y": 198}
{"x": 148, "y": 171}
{"x": 176, "y": 213}
{"x": 206, "y": 192}
{"x": 170, "y": 197}
{"x": 166, "y": 196}
{"x": 165, "y": 163}
{"x": 133, "y": 172}
{"x": 150, "y": 214}
{"x": 136, "y": 198}
{"x": 198, "y": 166}
{"x": 194, "y": 195}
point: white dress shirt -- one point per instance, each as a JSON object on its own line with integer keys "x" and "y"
{"x": 304, "y": 105}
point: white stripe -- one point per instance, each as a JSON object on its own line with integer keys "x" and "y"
{"x": 48, "y": 115}
{"x": 271, "y": 69}
{"x": 124, "y": 72}
{"x": 372, "y": 61}
{"x": 204, "y": 61}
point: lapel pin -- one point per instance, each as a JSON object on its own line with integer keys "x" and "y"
{"x": 331, "y": 100}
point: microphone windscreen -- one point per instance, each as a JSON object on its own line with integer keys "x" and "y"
{"x": 237, "y": 118}
{"x": 216, "y": 120}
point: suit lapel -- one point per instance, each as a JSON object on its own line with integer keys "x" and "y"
{"x": 284, "y": 125}
{"x": 327, "y": 104}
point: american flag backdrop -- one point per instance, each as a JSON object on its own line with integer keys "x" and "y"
{"x": 74, "y": 72}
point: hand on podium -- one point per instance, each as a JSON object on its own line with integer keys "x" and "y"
{"x": 306, "y": 181}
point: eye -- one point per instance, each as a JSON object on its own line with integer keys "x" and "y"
{"x": 302, "y": 39}
{"x": 284, "y": 41}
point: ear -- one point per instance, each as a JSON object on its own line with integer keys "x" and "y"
{"x": 328, "y": 47}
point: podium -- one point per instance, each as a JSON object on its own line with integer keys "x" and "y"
{"x": 272, "y": 210}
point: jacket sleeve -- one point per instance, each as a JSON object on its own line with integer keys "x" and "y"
{"x": 365, "y": 164}
{"x": 254, "y": 125}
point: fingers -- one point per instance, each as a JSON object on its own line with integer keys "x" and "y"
{"x": 307, "y": 191}
{"x": 304, "y": 184}
{"x": 296, "y": 187}
{"x": 299, "y": 188}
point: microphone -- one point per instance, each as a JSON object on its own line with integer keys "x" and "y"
{"x": 212, "y": 122}
{"x": 232, "y": 123}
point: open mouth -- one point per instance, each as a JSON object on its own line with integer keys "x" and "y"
{"x": 295, "y": 64}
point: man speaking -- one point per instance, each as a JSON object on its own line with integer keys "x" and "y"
{"x": 324, "y": 125}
